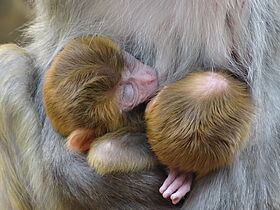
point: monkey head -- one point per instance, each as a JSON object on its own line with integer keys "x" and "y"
{"x": 91, "y": 84}
{"x": 199, "y": 123}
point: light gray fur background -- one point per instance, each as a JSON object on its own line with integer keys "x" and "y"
{"x": 175, "y": 37}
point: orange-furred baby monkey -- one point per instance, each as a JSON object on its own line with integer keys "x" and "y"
{"x": 88, "y": 92}
{"x": 199, "y": 123}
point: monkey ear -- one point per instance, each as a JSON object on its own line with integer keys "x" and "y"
{"x": 80, "y": 139}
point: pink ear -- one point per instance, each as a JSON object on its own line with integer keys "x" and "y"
{"x": 81, "y": 139}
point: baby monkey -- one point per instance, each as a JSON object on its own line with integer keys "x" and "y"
{"x": 199, "y": 123}
{"x": 89, "y": 92}
{"x": 91, "y": 84}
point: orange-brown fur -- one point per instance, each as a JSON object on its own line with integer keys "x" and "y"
{"x": 82, "y": 76}
{"x": 197, "y": 132}
{"x": 125, "y": 150}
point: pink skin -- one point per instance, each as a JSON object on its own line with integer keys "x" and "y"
{"x": 139, "y": 83}
{"x": 176, "y": 185}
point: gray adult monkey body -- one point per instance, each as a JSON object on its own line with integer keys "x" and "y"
{"x": 36, "y": 170}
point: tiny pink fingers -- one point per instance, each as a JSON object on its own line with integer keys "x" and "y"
{"x": 172, "y": 174}
{"x": 176, "y": 184}
{"x": 181, "y": 192}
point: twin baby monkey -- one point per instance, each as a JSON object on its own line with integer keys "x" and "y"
{"x": 195, "y": 125}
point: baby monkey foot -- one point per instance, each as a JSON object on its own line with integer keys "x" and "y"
{"x": 176, "y": 185}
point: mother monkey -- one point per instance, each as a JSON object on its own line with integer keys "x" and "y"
{"x": 36, "y": 169}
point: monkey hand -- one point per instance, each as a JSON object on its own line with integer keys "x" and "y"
{"x": 176, "y": 185}
{"x": 120, "y": 153}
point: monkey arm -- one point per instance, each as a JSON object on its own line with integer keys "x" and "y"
{"x": 121, "y": 152}
{"x": 37, "y": 171}
{"x": 17, "y": 116}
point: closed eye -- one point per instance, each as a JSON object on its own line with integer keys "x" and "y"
{"x": 128, "y": 93}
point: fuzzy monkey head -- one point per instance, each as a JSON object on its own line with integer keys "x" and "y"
{"x": 199, "y": 123}
{"x": 91, "y": 84}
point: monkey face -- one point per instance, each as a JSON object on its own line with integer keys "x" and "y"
{"x": 138, "y": 83}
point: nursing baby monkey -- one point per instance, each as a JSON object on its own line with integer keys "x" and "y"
{"x": 194, "y": 125}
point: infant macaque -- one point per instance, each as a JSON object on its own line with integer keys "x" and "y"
{"x": 89, "y": 92}
{"x": 199, "y": 123}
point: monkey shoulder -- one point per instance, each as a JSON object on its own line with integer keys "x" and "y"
{"x": 16, "y": 68}
{"x": 15, "y": 63}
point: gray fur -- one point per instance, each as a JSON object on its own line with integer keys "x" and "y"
{"x": 175, "y": 37}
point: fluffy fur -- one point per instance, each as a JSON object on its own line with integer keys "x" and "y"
{"x": 174, "y": 37}
{"x": 199, "y": 123}
{"x": 121, "y": 152}
{"x": 83, "y": 76}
